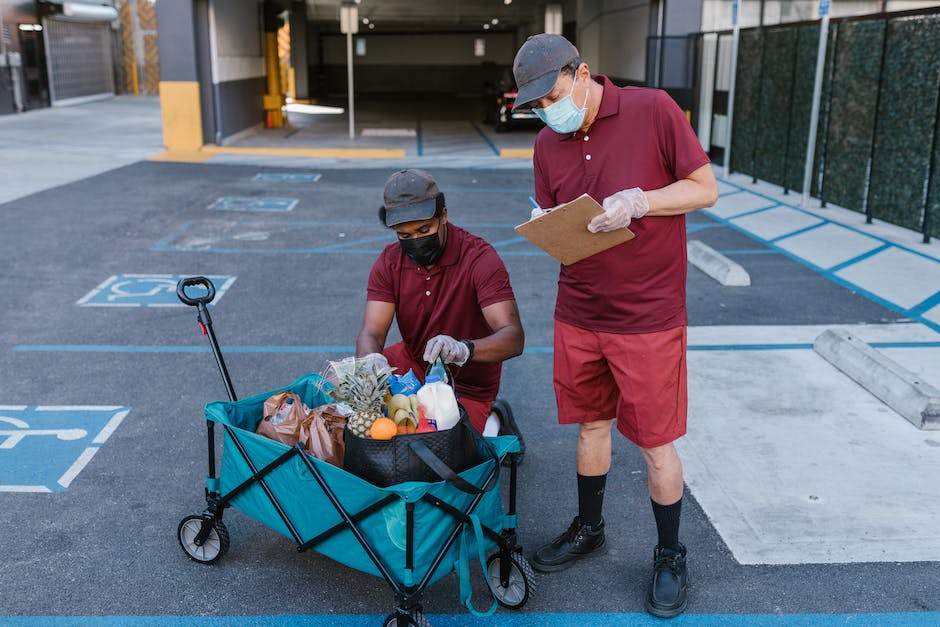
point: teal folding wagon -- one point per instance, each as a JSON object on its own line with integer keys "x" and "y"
{"x": 411, "y": 534}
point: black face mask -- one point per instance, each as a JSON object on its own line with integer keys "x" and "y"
{"x": 424, "y": 251}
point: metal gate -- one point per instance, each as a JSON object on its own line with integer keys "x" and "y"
{"x": 78, "y": 55}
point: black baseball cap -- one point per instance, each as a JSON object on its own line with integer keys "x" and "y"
{"x": 538, "y": 63}
{"x": 410, "y": 195}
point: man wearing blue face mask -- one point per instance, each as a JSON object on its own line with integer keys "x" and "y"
{"x": 451, "y": 296}
{"x": 620, "y": 315}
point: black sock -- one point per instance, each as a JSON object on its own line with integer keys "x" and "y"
{"x": 667, "y": 523}
{"x": 591, "y": 498}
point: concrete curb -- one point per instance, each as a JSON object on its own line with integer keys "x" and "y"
{"x": 900, "y": 389}
{"x": 716, "y": 265}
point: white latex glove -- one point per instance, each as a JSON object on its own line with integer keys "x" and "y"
{"x": 376, "y": 361}
{"x": 619, "y": 209}
{"x": 536, "y": 213}
{"x": 448, "y": 349}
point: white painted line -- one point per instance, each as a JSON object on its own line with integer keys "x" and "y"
{"x": 807, "y": 334}
{"x": 776, "y": 222}
{"x": 829, "y": 245}
{"x": 13, "y": 407}
{"x": 389, "y": 132}
{"x": 25, "y": 488}
{"x": 899, "y": 388}
{"x": 109, "y": 428}
{"x": 778, "y": 453}
{"x": 879, "y": 274}
{"x": 716, "y": 265}
{"x": 77, "y": 467}
{"x": 933, "y": 314}
{"x": 97, "y": 290}
{"x": 78, "y": 407}
{"x": 736, "y": 204}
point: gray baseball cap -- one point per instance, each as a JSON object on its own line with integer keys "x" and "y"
{"x": 538, "y": 63}
{"x": 410, "y": 195}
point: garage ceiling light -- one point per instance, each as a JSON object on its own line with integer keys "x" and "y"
{"x": 507, "y": 1}
{"x": 486, "y": 27}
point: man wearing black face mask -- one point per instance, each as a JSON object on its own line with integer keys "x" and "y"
{"x": 451, "y": 295}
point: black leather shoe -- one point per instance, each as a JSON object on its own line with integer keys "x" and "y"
{"x": 667, "y": 594}
{"x": 508, "y": 426}
{"x": 577, "y": 542}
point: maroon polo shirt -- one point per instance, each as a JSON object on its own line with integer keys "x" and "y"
{"x": 448, "y": 299}
{"x": 640, "y": 138}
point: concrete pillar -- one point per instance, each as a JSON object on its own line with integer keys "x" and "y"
{"x": 180, "y": 103}
{"x": 298, "y": 50}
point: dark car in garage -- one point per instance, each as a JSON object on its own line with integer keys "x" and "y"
{"x": 499, "y": 100}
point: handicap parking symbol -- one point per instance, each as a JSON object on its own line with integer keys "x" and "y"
{"x": 147, "y": 290}
{"x": 243, "y": 203}
{"x": 43, "y": 448}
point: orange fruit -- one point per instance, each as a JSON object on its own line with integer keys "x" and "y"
{"x": 383, "y": 429}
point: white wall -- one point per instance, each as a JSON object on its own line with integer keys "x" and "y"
{"x": 612, "y": 37}
{"x": 236, "y": 40}
{"x": 422, "y": 50}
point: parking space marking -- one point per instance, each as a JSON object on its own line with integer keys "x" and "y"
{"x": 287, "y": 177}
{"x": 44, "y": 448}
{"x": 502, "y": 619}
{"x": 146, "y": 290}
{"x": 247, "y": 203}
{"x": 771, "y": 223}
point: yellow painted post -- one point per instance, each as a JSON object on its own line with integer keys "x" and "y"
{"x": 274, "y": 99}
{"x": 182, "y": 115}
{"x": 135, "y": 79}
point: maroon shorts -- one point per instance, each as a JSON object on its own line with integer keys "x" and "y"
{"x": 639, "y": 378}
{"x": 399, "y": 357}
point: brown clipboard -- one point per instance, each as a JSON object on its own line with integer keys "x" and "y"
{"x": 563, "y": 234}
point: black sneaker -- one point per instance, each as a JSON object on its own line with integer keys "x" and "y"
{"x": 577, "y": 542}
{"x": 667, "y": 594}
{"x": 508, "y": 426}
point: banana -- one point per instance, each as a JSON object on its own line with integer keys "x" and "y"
{"x": 396, "y": 402}
{"x": 402, "y": 417}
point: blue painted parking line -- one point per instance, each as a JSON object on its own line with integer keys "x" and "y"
{"x": 288, "y": 177}
{"x": 915, "y": 313}
{"x": 147, "y": 290}
{"x": 43, "y": 448}
{"x": 340, "y": 348}
{"x": 485, "y": 138}
{"x": 245, "y": 203}
{"x": 501, "y": 619}
{"x": 811, "y": 227}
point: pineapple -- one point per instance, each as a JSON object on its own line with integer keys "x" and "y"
{"x": 362, "y": 385}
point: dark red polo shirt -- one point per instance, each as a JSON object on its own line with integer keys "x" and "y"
{"x": 640, "y": 139}
{"x": 449, "y": 299}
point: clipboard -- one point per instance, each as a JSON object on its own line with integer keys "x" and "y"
{"x": 563, "y": 234}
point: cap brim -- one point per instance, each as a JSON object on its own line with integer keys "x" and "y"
{"x": 419, "y": 211}
{"x": 536, "y": 89}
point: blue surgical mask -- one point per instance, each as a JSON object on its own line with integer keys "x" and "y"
{"x": 564, "y": 116}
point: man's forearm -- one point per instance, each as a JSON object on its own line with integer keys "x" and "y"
{"x": 698, "y": 191}
{"x": 504, "y": 344}
{"x": 367, "y": 343}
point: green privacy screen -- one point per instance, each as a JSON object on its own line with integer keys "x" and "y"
{"x": 876, "y": 145}
{"x": 905, "y": 126}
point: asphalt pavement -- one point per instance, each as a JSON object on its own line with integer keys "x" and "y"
{"x": 808, "y": 500}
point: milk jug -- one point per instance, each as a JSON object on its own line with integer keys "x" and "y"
{"x": 439, "y": 403}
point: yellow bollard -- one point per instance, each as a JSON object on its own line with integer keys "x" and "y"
{"x": 274, "y": 99}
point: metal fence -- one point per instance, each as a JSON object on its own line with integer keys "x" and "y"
{"x": 877, "y": 146}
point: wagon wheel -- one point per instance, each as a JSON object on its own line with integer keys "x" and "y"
{"x": 415, "y": 618}
{"x": 212, "y": 548}
{"x": 520, "y": 582}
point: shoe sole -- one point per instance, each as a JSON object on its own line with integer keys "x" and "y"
{"x": 554, "y": 568}
{"x": 670, "y": 613}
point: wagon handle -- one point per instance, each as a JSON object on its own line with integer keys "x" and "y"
{"x": 191, "y": 281}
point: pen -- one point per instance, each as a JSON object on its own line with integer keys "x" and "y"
{"x": 534, "y": 204}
